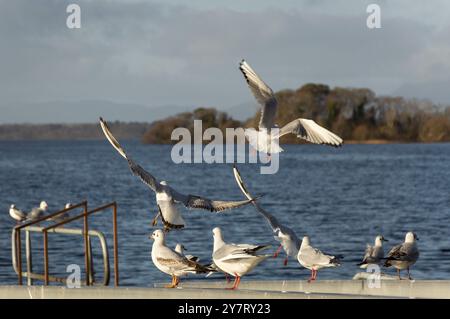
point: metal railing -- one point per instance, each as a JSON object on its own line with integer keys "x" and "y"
{"x": 56, "y": 228}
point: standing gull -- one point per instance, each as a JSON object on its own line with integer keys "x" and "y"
{"x": 313, "y": 259}
{"x": 373, "y": 254}
{"x": 179, "y": 248}
{"x": 37, "y": 212}
{"x": 233, "y": 259}
{"x": 166, "y": 196}
{"x": 264, "y": 140}
{"x": 170, "y": 262}
{"x": 18, "y": 215}
{"x": 285, "y": 235}
{"x": 403, "y": 255}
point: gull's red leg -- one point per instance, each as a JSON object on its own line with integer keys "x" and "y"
{"x": 285, "y": 261}
{"x": 278, "y": 251}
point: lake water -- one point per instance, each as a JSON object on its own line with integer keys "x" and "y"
{"x": 342, "y": 198}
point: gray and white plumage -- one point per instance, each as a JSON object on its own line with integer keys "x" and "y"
{"x": 63, "y": 216}
{"x": 313, "y": 259}
{"x": 179, "y": 248}
{"x": 17, "y": 214}
{"x": 235, "y": 259}
{"x": 263, "y": 140}
{"x": 166, "y": 196}
{"x": 37, "y": 212}
{"x": 373, "y": 254}
{"x": 283, "y": 234}
{"x": 404, "y": 255}
{"x": 171, "y": 262}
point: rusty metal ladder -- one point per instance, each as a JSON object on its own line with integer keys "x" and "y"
{"x": 27, "y": 227}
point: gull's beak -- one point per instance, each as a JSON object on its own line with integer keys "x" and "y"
{"x": 384, "y": 239}
{"x": 151, "y": 237}
{"x": 184, "y": 247}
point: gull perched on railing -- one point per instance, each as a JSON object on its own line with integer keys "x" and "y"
{"x": 63, "y": 216}
{"x": 403, "y": 255}
{"x": 18, "y": 215}
{"x": 264, "y": 140}
{"x": 373, "y": 254}
{"x": 313, "y": 259}
{"x": 166, "y": 196}
{"x": 285, "y": 235}
{"x": 171, "y": 262}
{"x": 235, "y": 259}
{"x": 37, "y": 212}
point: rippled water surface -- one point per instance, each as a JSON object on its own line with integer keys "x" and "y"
{"x": 342, "y": 198}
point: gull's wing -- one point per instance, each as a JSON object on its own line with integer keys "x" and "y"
{"x": 193, "y": 201}
{"x": 367, "y": 254}
{"x": 403, "y": 252}
{"x": 176, "y": 261}
{"x": 232, "y": 251}
{"x": 263, "y": 94}
{"x": 313, "y": 256}
{"x": 136, "y": 169}
{"x": 311, "y": 131}
{"x": 273, "y": 222}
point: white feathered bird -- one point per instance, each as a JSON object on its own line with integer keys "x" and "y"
{"x": 265, "y": 139}
{"x": 236, "y": 259}
{"x": 313, "y": 259}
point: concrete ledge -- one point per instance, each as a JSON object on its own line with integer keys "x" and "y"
{"x": 387, "y": 288}
{"x": 40, "y": 292}
{"x": 326, "y": 289}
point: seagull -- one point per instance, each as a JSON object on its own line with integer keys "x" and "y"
{"x": 235, "y": 260}
{"x": 373, "y": 254}
{"x": 63, "y": 216}
{"x": 264, "y": 140}
{"x": 37, "y": 212}
{"x": 171, "y": 262}
{"x": 166, "y": 196}
{"x": 403, "y": 255}
{"x": 17, "y": 214}
{"x": 180, "y": 248}
{"x": 313, "y": 259}
{"x": 285, "y": 235}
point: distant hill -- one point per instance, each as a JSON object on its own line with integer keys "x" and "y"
{"x": 355, "y": 114}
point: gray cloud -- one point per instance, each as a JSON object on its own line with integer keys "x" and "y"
{"x": 153, "y": 54}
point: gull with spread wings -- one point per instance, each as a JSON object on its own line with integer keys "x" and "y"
{"x": 266, "y": 141}
{"x": 167, "y": 198}
{"x": 285, "y": 235}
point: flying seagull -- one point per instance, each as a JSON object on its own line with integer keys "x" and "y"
{"x": 18, "y": 215}
{"x": 235, "y": 260}
{"x": 313, "y": 259}
{"x": 285, "y": 235}
{"x": 171, "y": 262}
{"x": 264, "y": 140}
{"x": 166, "y": 196}
{"x": 403, "y": 255}
{"x": 373, "y": 254}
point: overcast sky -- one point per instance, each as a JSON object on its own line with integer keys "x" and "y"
{"x": 177, "y": 52}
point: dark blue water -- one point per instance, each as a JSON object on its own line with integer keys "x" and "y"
{"x": 342, "y": 198}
